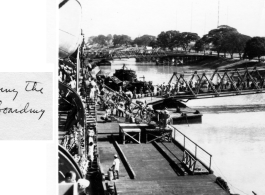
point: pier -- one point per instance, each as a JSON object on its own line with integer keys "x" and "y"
{"x": 160, "y": 166}
{"x": 157, "y": 167}
{"x": 151, "y": 168}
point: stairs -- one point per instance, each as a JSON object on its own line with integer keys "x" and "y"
{"x": 91, "y": 120}
{"x": 93, "y": 171}
{"x": 62, "y": 120}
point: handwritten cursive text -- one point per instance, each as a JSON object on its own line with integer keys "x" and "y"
{"x": 32, "y": 86}
{"x": 3, "y": 90}
{"x": 25, "y": 110}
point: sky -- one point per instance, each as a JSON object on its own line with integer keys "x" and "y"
{"x": 139, "y": 17}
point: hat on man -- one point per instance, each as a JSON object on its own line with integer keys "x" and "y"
{"x": 115, "y": 155}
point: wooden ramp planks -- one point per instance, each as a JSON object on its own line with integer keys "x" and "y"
{"x": 106, "y": 154}
{"x": 154, "y": 175}
{"x": 147, "y": 162}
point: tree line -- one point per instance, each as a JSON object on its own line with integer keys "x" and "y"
{"x": 224, "y": 39}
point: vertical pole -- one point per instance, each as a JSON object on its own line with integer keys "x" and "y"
{"x": 191, "y": 16}
{"x": 184, "y": 142}
{"x": 210, "y": 161}
{"x": 218, "y": 13}
{"x": 85, "y": 139}
{"x": 196, "y": 150}
{"x": 77, "y": 70}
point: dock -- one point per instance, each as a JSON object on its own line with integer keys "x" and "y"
{"x": 156, "y": 166}
{"x": 152, "y": 160}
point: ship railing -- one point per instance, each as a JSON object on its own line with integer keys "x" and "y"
{"x": 189, "y": 161}
{"x": 186, "y": 144}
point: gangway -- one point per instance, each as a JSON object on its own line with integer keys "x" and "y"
{"x": 219, "y": 83}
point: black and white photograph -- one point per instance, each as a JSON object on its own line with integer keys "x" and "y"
{"x": 130, "y": 97}
{"x": 161, "y": 97}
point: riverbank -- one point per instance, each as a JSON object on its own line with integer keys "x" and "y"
{"x": 223, "y": 63}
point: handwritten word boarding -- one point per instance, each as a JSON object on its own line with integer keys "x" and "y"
{"x": 26, "y": 101}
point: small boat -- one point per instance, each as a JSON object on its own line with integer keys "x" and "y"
{"x": 125, "y": 74}
{"x": 103, "y": 63}
{"x": 128, "y": 80}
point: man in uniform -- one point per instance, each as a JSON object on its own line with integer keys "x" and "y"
{"x": 116, "y": 166}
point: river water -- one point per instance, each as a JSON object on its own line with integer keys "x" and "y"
{"x": 232, "y": 129}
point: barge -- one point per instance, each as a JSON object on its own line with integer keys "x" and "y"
{"x": 179, "y": 112}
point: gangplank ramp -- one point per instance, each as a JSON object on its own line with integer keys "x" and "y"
{"x": 147, "y": 162}
{"x": 106, "y": 155}
{"x": 155, "y": 175}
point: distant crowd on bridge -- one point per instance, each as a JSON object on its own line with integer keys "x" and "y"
{"x": 67, "y": 75}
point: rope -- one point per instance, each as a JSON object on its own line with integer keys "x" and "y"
{"x": 227, "y": 179}
{"x": 187, "y": 119}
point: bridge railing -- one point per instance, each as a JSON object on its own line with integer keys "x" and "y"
{"x": 200, "y": 154}
{"x": 119, "y": 53}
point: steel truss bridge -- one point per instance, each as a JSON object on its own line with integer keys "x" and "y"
{"x": 142, "y": 53}
{"x": 197, "y": 85}
{"x": 218, "y": 83}
{"x": 184, "y": 86}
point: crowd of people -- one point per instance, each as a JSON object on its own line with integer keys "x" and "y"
{"x": 74, "y": 139}
{"x": 206, "y": 85}
{"x": 66, "y": 73}
{"x": 73, "y": 142}
{"x": 119, "y": 104}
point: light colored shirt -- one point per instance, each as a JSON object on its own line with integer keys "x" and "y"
{"x": 92, "y": 92}
{"x": 73, "y": 84}
{"x": 116, "y": 164}
{"x": 93, "y": 83}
